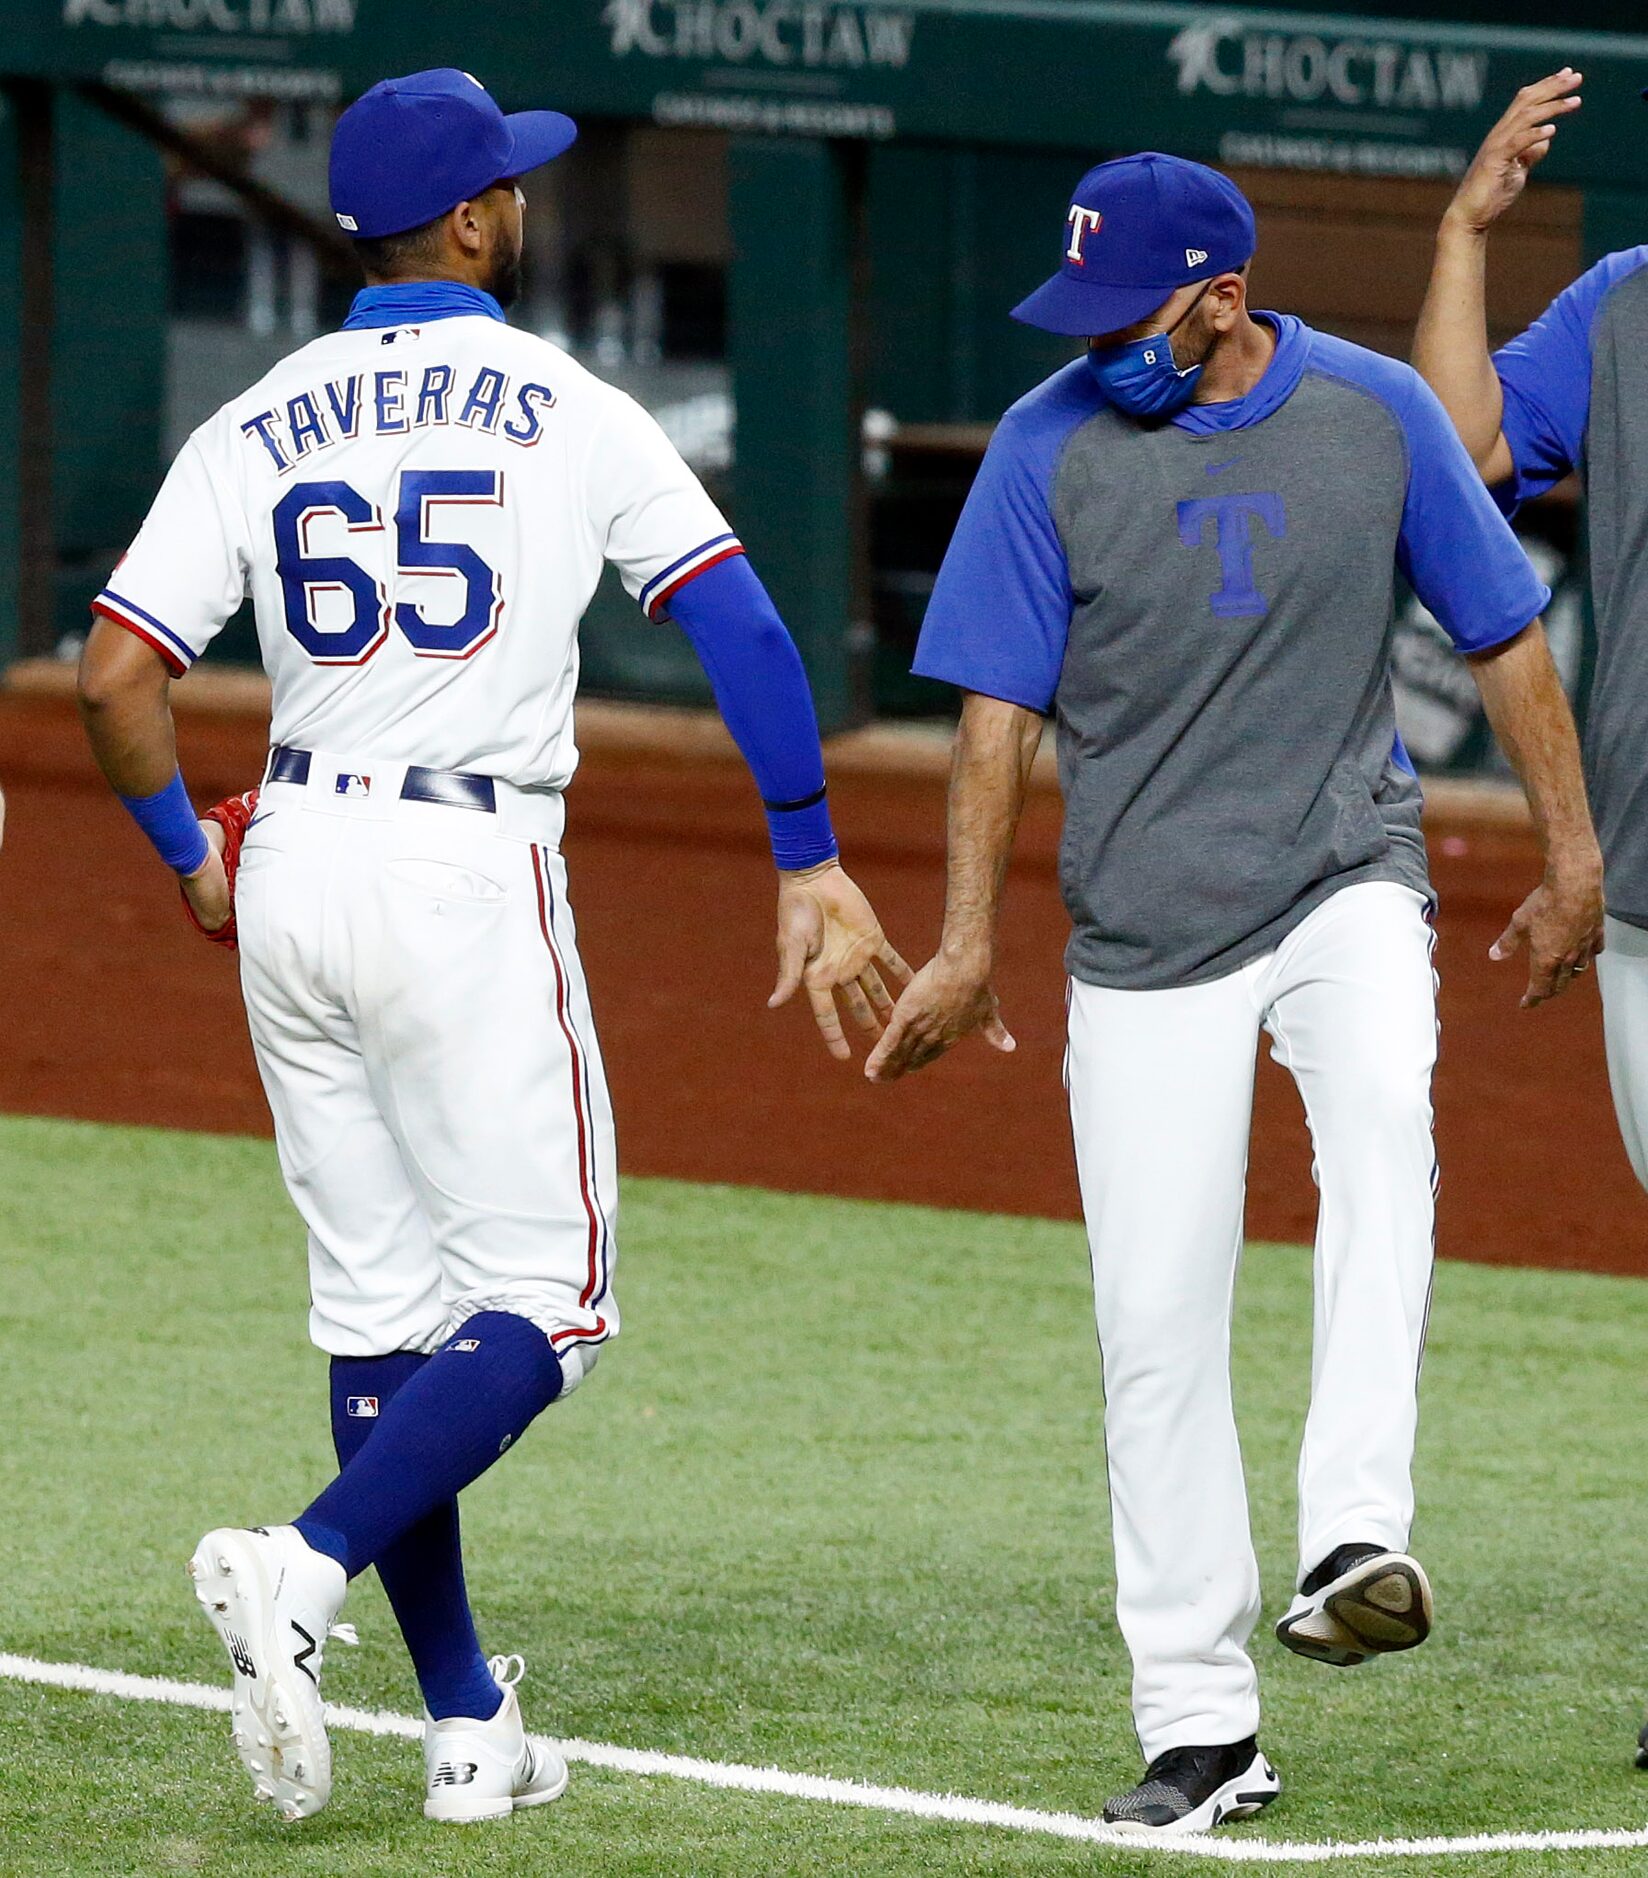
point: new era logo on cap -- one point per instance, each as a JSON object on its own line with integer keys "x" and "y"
{"x": 1194, "y": 257}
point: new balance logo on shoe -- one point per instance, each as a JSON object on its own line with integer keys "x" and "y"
{"x": 300, "y": 1658}
{"x": 240, "y": 1655}
{"x": 454, "y": 1774}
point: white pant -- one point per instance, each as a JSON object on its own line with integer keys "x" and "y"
{"x": 424, "y": 1035}
{"x": 1161, "y": 1093}
{"x": 1622, "y": 976}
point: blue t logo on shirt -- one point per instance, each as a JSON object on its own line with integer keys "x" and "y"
{"x": 1237, "y": 597}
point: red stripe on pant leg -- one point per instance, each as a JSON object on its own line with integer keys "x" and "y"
{"x": 604, "y": 1249}
{"x": 589, "y": 1105}
{"x": 577, "y": 1086}
{"x": 574, "y": 1336}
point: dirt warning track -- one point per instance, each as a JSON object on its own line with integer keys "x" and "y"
{"x": 110, "y": 1009}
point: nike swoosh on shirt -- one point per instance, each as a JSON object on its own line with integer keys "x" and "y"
{"x": 1213, "y": 469}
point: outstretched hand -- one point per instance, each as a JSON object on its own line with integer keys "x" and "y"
{"x": 831, "y": 943}
{"x": 943, "y": 1003}
{"x": 1519, "y": 140}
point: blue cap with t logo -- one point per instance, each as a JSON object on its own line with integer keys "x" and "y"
{"x": 412, "y": 148}
{"x": 1137, "y": 230}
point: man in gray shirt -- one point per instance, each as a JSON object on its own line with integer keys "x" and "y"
{"x": 1570, "y": 394}
{"x": 1185, "y": 547}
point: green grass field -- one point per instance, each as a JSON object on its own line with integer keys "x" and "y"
{"x": 835, "y": 1502}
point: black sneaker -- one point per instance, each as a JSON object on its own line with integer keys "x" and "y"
{"x": 1642, "y": 1746}
{"x": 1360, "y": 1601}
{"x": 1195, "y": 1789}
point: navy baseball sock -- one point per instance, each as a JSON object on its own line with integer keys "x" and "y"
{"x": 422, "y": 1571}
{"x": 443, "y": 1428}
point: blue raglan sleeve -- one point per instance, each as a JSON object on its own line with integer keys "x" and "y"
{"x": 1455, "y": 548}
{"x": 1000, "y": 612}
{"x": 1545, "y": 374}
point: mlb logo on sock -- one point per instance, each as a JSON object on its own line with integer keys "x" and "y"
{"x": 354, "y": 785}
{"x": 363, "y": 1407}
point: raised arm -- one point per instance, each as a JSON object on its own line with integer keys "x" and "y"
{"x": 952, "y": 996}
{"x": 1450, "y": 348}
{"x": 1560, "y": 922}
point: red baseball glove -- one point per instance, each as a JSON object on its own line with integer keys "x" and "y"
{"x": 232, "y": 817}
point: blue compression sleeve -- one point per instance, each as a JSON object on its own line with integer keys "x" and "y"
{"x": 168, "y": 819}
{"x": 761, "y": 688}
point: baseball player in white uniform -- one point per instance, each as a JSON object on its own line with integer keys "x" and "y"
{"x": 419, "y": 507}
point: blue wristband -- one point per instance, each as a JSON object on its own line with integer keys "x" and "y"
{"x": 801, "y": 833}
{"x": 168, "y": 819}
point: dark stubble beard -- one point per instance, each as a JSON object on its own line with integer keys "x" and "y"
{"x": 1193, "y": 343}
{"x": 505, "y": 282}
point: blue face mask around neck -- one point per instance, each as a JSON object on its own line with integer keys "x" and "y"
{"x": 1139, "y": 377}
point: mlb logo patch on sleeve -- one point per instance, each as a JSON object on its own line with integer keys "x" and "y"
{"x": 362, "y": 1407}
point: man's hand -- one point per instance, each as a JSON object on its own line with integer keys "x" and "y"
{"x": 948, "y": 999}
{"x": 830, "y": 941}
{"x": 1510, "y": 150}
{"x": 1560, "y": 924}
{"x": 209, "y": 894}
{"x": 207, "y": 889}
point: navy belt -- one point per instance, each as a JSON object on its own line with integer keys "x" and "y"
{"x": 448, "y": 788}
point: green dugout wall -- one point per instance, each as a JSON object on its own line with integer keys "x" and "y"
{"x": 894, "y": 164}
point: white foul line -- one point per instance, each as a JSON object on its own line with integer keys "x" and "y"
{"x": 907, "y": 1801}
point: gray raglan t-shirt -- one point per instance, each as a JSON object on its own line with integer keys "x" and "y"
{"x": 1206, "y": 607}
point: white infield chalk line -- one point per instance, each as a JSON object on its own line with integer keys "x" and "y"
{"x": 950, "y": 1807}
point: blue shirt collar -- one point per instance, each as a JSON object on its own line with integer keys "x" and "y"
{"x": 1280, "y": 381}
{"x": 415, "y": 302}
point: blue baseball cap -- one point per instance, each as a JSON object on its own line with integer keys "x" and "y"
{"x": 1137, "y": 229}
{"x": 412, "y": 148}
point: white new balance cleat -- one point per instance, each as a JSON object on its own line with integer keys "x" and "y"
{"x": 487, "y": 1769}
{"x": 272, "y": 1599}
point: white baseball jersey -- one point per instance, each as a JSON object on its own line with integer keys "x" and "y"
{"x": 420, "y": 514}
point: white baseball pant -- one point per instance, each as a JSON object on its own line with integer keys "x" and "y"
{"x": 424, "y": 1034}
{"x": 1622, "y": 978}
{"x": 1161, "y": 1092}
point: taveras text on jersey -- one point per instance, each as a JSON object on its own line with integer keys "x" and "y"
{"x": 391, "y": 403}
